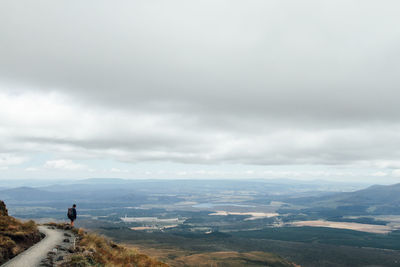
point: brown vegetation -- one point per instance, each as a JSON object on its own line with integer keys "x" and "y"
{"x": 15, "y": 236}
{"x": 176, "y": 257}
{"x": 95, "y": 250}
{"x": 234, "y": 259}
{"x": 62, "y": 226}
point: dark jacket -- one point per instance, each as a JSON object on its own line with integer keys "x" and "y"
{"x": 73, "y": 215}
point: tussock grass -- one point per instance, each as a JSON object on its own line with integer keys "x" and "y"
{"x": 16, "y": 236}
{"x": 96, "y": 250}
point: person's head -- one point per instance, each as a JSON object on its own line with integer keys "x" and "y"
{"x": 74, "y": 206}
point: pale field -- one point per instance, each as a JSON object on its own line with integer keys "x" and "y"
{"x": 254, "y": 215}
{"x": 369, "y": 228}
{"x": 149, "y": 219}
{"x": 153, "y": 227}
{"x": 393, "y": 220}
{"x": 142, "y": 228}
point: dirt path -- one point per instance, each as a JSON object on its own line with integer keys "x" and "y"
{"x": 38, "y": 254}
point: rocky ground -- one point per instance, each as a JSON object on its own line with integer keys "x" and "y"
{"x": 62, "y": 252}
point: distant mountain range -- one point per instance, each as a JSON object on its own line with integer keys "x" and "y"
{"x": 29, "y": 194}
{"x": 376, "y": 199}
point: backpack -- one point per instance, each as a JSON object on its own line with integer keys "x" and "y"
{"x": 70, "y": 213}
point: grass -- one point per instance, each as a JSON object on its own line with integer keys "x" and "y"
{"x": 231, "y": 259}
{"x": 16, "y": 236}
{"x": 96, "y": 250}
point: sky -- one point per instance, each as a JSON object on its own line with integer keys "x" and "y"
{"x": 200, "y": 89}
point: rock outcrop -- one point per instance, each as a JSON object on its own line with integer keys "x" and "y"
{"x": 15, "y": 236}
{"x": 3, "y": 209}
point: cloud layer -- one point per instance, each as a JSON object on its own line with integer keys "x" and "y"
{"x": 209, "y": 82}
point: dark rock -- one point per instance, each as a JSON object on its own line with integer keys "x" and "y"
{"x": 3, "y": 209}
{"x": 66, "y": 240}
{"x": 49, "y": 260}
{"x": 45, "y": 261}
{"x": 60, "y": 258}
{"x": 66, "y": 234}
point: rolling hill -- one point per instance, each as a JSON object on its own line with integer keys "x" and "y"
{"x": 374, "y": 200}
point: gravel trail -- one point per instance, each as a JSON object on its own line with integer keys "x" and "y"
{"x": 33, "y": 256}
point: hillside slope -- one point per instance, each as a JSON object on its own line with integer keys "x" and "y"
{"x": 94, "y": 250}
{"x": 15, "y": 236}
{"x": 374, "y": 200}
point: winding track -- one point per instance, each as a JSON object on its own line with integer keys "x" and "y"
{"x": 32, "y": 256}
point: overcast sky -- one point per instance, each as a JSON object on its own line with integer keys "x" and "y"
{"x": 200, "y": 89}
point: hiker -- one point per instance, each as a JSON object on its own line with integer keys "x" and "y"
{"x": 72, "y": 214}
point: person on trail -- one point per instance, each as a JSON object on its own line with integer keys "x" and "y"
{"x": 72, "y": 214}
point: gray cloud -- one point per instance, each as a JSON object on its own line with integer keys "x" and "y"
{"x": 260, "y": 82}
